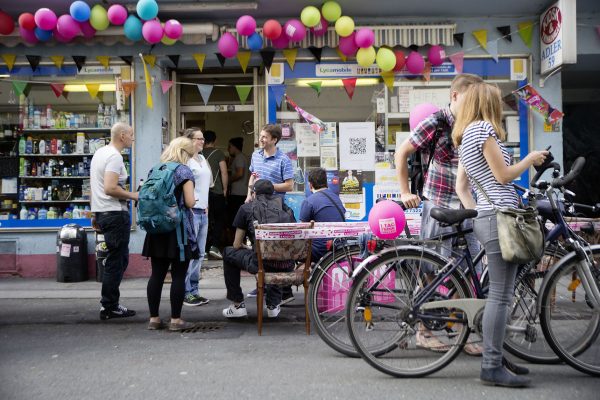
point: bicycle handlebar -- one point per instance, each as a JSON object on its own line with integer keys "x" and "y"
{"x": 541, "y": 171}
{"x": 575, "y": 170}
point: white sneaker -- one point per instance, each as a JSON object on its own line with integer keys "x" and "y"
{"x": 235, "y": 312}
{"x": 273, "y": 311}
{"x": 215, "y": 253}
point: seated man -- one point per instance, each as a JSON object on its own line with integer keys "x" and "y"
{"x": 322, "y": 206}
{"x": 239, "y": 257}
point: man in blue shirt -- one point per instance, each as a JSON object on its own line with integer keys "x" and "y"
{"x": 322, "y": 206}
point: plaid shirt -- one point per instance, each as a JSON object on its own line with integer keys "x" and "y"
{"x": 440, "y": 179}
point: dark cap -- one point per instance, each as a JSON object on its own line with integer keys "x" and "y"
{"x": 263, "y": 186}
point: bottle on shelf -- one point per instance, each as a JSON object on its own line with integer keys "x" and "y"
{"x": 53, "y": 145}
{"x": 100, "y": 117}
{"x": 49, "y": 118}
{"x": 37, "y": 119}
{"x": 29, "y": 145}
{"x": 23, "y": 214}
{"x": 43, "y": 213}
{"x": 22, "y": 145}
{"x": 42, "y": 146}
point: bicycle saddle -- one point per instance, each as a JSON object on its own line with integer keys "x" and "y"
{"x": 451, "y": 217}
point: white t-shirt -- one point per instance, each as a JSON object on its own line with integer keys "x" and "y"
{"x": 202, "y": 180}
{"x": 106, "y": 159}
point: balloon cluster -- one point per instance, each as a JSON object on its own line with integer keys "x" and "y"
{"x": 82, "y": 20}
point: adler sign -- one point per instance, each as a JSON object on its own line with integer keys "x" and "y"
{"x": 558, "y": 35}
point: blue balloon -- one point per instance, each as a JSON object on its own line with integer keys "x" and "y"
{"x": 80, "y": 11}
{"x": 42, "y": 35}
{"x": 147, "y": 9}
{"x": 133, "y": 28}
{"x": 255, "y": 42}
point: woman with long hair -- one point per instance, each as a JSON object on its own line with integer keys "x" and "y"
{"x": 163, "y": 248}
{"x": 485, "y": 162}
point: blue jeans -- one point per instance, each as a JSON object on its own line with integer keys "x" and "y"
{"x": 193, "y": 271}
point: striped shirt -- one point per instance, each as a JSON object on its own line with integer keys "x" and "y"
{"x": 276, "y": 168}
{"x": 474, "y": 162}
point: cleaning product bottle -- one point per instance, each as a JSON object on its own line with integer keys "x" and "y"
{"x": 24, "y": 213}
{"x": 22, "y": 145}
{"x": 29, "y": 145}
{"x": 43, "y": 213}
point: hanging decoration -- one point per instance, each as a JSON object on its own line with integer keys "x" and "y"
{"x": 20, "y": 87}
{"x": 7, "y": 24}
{"x": 104, "y": 61}
{"x": 344, "y": 26}
{"x": 148, "y": 79}
{"x": 436, "y": 55}
{"x": 267, "y": 58}
{"x": 331, "y": 11}
{"x": 57, "y": 88}
{"x": 93, "y": 89}
{"x": 165, "y": 85}
{"x": 199, "y": 57}
{"x": 310, "y": 16}
{"x": 205, "y": 91}
{"x": 315, "y": 123}
{"x": 427, "y": 71}
{"x": 290, "y": 57}
{"x": 244, "y": 59}
{"x": 505, "y": 32}
{"x": 221, "y": 59}
{"x": 492, "y": 49}
{"x": 349, "y": 86}
{"x": 175, "y": 60}
{"x": 99, "y": 18}
{"x": 459, "y": 37}
{"x": 58, "y": 61}
{"x": 294, "y": 30}
{"x": 481, "y": 37}
{"x": 150, "y": 59}
{"x": 400, "y": 60}
{"x": 526, "y": 31}
{"x": 386, "y": 59}
{"x": 366, "y": 57}
{"x": 316, "y": 52}
{"x": 243, "y": 91}
{"x": 277, "y": 91}
{"x": 246, "y": 25}
{"x": 128, "y": 87}
{"x": 272, "y": 29}
{"x": 341, "y": 55}
{"x": 228, "y": 45}
{"x": 388, "y": 79}
{"x": 79, "y": 62}
{"x": 316, "y": 86}
{"x": 458, "y": 61}
{"x": 347, "y": 45}
{"x": 127, "y": 59}
{"x": 9, "y": 60}
{"x": 34, "y": 61}
{"x": 535, "y": 101}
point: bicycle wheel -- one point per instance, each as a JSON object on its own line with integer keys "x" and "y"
{"x": 327, "y": 298}
{"x": 383, "y": 325}
{"x": 530, "y": 344}
{"x": 569, "y": 321}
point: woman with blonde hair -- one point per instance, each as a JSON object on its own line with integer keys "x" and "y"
{"x": 163, "y": 248}
{"x": 485, "y": 162}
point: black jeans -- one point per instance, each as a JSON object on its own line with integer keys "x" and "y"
{"x": 160, "y": 266}
{"x": 235, "y": 260}
{"x": 217, "y": 208}
{"x": 116, "y": 228}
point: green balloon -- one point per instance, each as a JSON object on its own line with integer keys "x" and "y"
{"x": 344, "y": 26}
{"x": 331, "y": 11}
{"x": 365, "y": 57}
{"x": 99, "y": 18}
{"x": 168, "y": 41}
{"x": 310, "y": 16}
{"x": 386, "y": 59}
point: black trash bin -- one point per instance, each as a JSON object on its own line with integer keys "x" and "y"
{"x": 101, "y": 253}
{"x": 71, "y": 254}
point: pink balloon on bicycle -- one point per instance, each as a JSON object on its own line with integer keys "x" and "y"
{"x": 387, "y": 220}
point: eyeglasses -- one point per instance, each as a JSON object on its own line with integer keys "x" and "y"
{"x": 200, "y": 139}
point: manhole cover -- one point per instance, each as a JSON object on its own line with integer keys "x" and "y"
{"x": 206, "y": 327}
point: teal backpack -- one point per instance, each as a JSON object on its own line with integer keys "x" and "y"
{"x": 158, "y": 211}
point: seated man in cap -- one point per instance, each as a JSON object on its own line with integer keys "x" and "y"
{"x": 239, "y": 257}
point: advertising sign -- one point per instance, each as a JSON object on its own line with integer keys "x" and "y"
{"x": 558, "y": 35}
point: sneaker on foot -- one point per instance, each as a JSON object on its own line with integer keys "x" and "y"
{"x": 253, "y": 293}
{"x": 273, "y": 311}
{"x": 215, "y": 253}
{"x": 193, "y": 300}
{"x": 117, "y": 312}
{"x": 286, "y": 299}
{"x": 234, "y": 311}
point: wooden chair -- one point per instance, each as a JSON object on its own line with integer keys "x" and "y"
{"x": 275, "y": 249}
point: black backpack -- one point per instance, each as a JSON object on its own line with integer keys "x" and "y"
{"x": 417, "y": 166}
{"x": 270, "y": 209}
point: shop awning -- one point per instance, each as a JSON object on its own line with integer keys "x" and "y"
{"x": 390, "y": 35}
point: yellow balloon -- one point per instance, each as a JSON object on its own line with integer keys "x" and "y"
{"x": 386, "y": 59}
{"x": 365, "y": 57}
{"x": 331, "y": 11}
{"x": 168, "y": 41}
{"x": 344, "y": 26}
{"x": 310, "y": 16}
{"x": 99, "y": 18}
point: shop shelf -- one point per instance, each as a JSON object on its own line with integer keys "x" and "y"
{"x": 66, "y": 130}
{"x": 61, "y": 155}
{"x": 42, "y": 223}
{"x": 53, "y": 201}
{"x": 54, "y": 177}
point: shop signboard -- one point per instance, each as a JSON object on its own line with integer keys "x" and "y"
{"x": 558, "y": 35}
{"x": 100, "y": 70}
{"x": 338, "y": 70}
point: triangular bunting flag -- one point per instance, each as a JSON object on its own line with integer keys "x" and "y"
{"x": 267, "y": 58}
{"x": 481, "y": 37}
{"x": 290, "y": 57}
{"x": 316, "y": 51}
{"x": 165, "y": 86}
{"x": 492, "y": 48}
{"x": 341, "y": 55}
{"x": 148, "y": 79}
{"x": 57, "y": 88}
{"x": 244, "y": 58}
{"x": 79, "y": 61}
{"x": 20, "y": 87}
{"x": 221, "y": 59}
{"x": 526, "y": 31}
{"x": 150, "y": 59}
{"x": 9, "y": 60}
{"x": 316, "y": 86}
{"x": 459, "y": 37}
{"x": 205, "y": 91}
{"x": 175, "y": 60}
{"x": 127, "y": 59}
{"x": 427, "y": 71}
{"x": 199, "y": 57}
{"x": 243, "y": 91}
{"x": 458, "y": 60}
{"x": 34, "y": 61}
{"x": 58, "y": 61}
{"x": 277, "y": 91}
{"x": 104, "y": 61}
{"x": 349, "y": 85}
{"x": 505, "y": 32}
{"x": 93, "y": 89}
{"x": 388, "y": 79}
{"x": 128, "y": 87}
{"x": 66, "y": 95}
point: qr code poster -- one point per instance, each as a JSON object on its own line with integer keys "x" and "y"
{"x": 357, "y": 145}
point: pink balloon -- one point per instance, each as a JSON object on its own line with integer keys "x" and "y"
{"x": 87, "y": 30}
{"x": 245, "y": 25}
{"x": 152, "y": 31}
{"x": 28, "y": 35}
{"x": 364, "y": 38}
{"x": 436, "y": 55}
{"x": 228, "y": 45}
{"x": 294, "y": 30}
{"x": 45, "y": 19}
{"x": 420, "y": 112}
{"x": 173, "y": 29}
{"x": 321, "y": 28}
{"x": 67, "y": 26}
{"x": 387, "y": 220}
{"x": 348, "y": 46}
{"x": 117, "y": 14}
{"x": 281, "y": 42}
{"x": 415, "y": 64}
{"x": 61, "y": 38}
